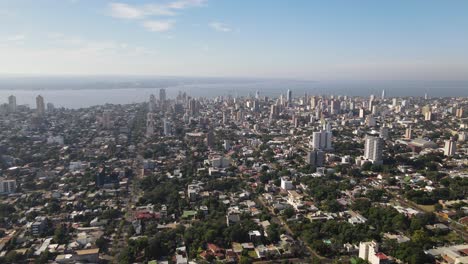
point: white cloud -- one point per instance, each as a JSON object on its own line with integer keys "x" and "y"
{"x": 158, "y": 25}
{"x": 221, "y": 27}
{"x": 181, "y": 4}
{"x": 121, "y": 10}
{"x": 126, "y": 11}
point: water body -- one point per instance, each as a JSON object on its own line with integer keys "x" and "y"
{"x": 77, "y": 92}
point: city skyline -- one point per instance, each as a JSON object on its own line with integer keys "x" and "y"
{"x": 335, "y": 40}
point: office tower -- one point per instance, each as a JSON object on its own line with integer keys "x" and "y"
{"x": 373, "y": 149}
{"x": 383, "y": 94}
{"x": 394, "y": 102}
{"x": 167, "y": 128}
{"x": 40, "y": 106}
{"x": 11, "y": 104}
{"x": 289, "y": 96}
{"x": 450, "y": 147}
{"x": 409, "y": 133}
{"x": 315, "y": 158}
{"x": 425, "y": 96}
{"x": 150, "y": 124}
{"x": 152, "y": 103}
{"x": 257, "y": 95}
{"x": 321, "y": 140}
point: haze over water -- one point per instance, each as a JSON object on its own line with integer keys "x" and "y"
{"x": 74, "y": 92}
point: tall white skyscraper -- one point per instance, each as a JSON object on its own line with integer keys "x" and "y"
{"x": 373, "y": 149}
{"x": 321, "y": 140}
{"x": 40, "y": 106}
{"x": 289, "y": 96}
{"x": 11, "y": 104}
{"x": 383, "y": 94}
{"x": 450, "y": 147}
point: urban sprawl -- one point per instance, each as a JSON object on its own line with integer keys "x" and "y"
{"x": 252, "y": 179}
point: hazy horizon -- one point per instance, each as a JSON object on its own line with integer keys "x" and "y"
{"x": 332, "y": 40}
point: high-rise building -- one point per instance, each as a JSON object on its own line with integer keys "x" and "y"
{"x": 11, "y": 104}
{"x": 383, "y": 94}
{"x": 409, "y": 132}
{"x": 152, "y": 103}
{"x": 373, "y": 149}
{"x": 7, "y": 186}
{"x": 50, "y": 107}
{"x": 106, "y": 121}
{"x": 193, "y": 107}
{"x": 40, "y": 106}
{"x": 321, "y": 140}
{"x": 459, "y": 112}
{"x": 428, "y": 116}
{"x": 315, "y": 158}
{"x": 362, "y": 113}
{"x": 369, "y": 251}
{"x": 274, "y": 112}
{"x": 289, "y": 96}
{"x": 150, "y": 124}
{"x": 167, "y": 127}
{"x": 450, "y": 147}
{"x": 462, "y": 136}
{"x": 371, "y": 102}
{"x": 162, "y": 96}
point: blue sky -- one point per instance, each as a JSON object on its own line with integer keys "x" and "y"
{"x": 317, "y": 40}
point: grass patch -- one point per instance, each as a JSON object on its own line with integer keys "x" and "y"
{"x": 427, "y": 208}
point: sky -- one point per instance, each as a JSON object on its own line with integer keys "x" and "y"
{"x": 297, "y": 39}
